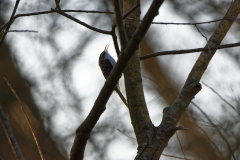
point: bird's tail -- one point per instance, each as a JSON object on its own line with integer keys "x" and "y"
{"x": 121, "y": 95}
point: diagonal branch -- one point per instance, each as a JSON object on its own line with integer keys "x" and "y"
{"x": 132, "y": 9}
{"x": 83, "y": 131}
{"x": 171, "y": 115}
{"x": 216, "y": 127}
{"x": 212, "y": 142}
{"x": 9, "y": 22}
{"x": 82, "y": 23}
{"x": 233, "y": 108}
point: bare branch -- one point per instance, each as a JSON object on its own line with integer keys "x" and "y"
{"x": 180, "y": 145}
{"x": 9, "y": 22}
{"x": 172, "y": 114}
{"x": 83, "y": 131}
{"x": 216, "y": 127}
{"x": 64, "y": 10}
{"x": 114, "y": 26}
{"x": 32, "y": 31}
{"x": 211, "y": 142}
{"x": 119, "y": 22}
{"x": 140, "y": 118}
{"x": 174, "y": 52}
{"x": 175, "y": 157}
{"x": 64, "y": 14}
{"x": 221, "y": 97}
{"x": 181, "y": 128}
{"x": 132, "y": 9}
{"x": 204, "y": 37}
{"x": 121, "y": 96}
{"x": 87, "y": 11}
{"x": 196, "y": 23}
{"x": 131, "y": 138}
{"x": 82, "y": 23}
{"x": 201, "y": 33}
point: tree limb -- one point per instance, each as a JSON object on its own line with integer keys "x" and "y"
{"x": 82, "y": 23}
{"x": 83, "y": 131}
{"x": 9, "y": 22}
{"x": 174, "y": 52}
{"x": 140, "y": 119}
{"x": 171, "y": 115}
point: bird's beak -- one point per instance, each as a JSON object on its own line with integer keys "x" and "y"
{"x": 106, "y": 48}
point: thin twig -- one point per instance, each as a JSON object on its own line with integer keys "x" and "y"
{"x": 221, "y": 97}
{"x": 9, "y": 22}
{"x": 175, "y": 157}
{"x": 204, "y": 37}
{"x": 32, "y": 31}
{"x": 201, "y": 33}
{"x": 10, "y": 135}
{"x": 215, "y": 126}
{"x": 196, "y": 23}
{"x": 121, "y": 97}
{"x": 131, "y": 138}
{"x": 64, "y": 10}
{"x": 114, "y": 26}
{"x": 88, "y": 11}
{"x": 119, "y": 22}
{"x": 47, "y": 12}
{"x": 211, "y": 141}
{"x": 25, "y": 14}
{"x": 174, "y": 52}
{"x": 180, "y": 145}
{"x": 132, "y": 9}
{"x": 26, "y": 116}
{"x": 82, "y": 23}
{"x": 107, "y": 12}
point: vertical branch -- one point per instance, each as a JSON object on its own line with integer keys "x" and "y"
{"x": 140, "y": 118}
{"x": 83, "y": 131}
{"x": 119, "y": 22}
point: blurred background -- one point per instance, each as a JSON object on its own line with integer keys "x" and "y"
{"x": 55, "y": 73}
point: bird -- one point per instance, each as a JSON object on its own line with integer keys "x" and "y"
{"x": 106, "y": 64}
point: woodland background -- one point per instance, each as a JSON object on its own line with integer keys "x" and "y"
{"x": 55, "y": 72}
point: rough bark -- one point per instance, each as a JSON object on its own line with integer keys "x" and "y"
{"x": 133, "y": 82}
{"x": 172, "y": 114}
